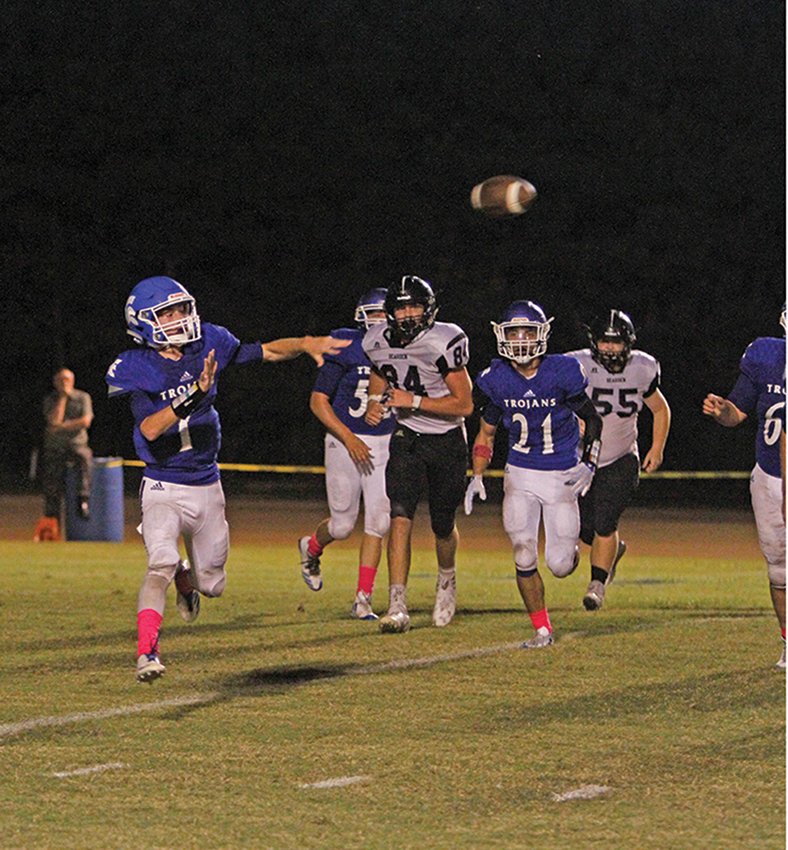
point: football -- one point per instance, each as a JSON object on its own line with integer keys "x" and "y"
{"x": 503, "y": 196}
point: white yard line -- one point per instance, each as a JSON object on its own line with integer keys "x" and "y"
{"x": 8, "y": 730}
{"x": 84, "y": 771}
{"x": 339, "y": 782}
{"x": 585, "y": 792}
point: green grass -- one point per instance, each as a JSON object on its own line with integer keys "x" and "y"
{"x": 667, "y": 696}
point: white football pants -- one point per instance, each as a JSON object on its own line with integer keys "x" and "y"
{"x": 345, "y": 484}
{"x": 767, "y": 499}
{"x": 530, "y": 495}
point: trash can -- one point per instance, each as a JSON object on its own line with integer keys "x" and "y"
{"x": 106, "y": 502}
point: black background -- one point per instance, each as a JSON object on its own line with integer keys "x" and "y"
{"x": 279, "y": 159}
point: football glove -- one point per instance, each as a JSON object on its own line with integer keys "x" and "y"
{"x": 475, "y": 488}
{"x": 580, "y": 478}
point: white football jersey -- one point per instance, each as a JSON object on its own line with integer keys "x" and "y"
{"x": 619, "y": 399}
{"x": 419, "y": 367}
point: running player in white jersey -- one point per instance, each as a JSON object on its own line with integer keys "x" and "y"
{"x": 620, "y": 382}
{"x": 760, "y": 390}
{"x": 355, "y": 457}
{"x": 538, "y": 397}
{"x": 420, "y": 373}
{"x": 171, "y": 381}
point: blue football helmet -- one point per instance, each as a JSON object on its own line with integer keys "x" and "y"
{"x": 373, "y": 301}
{"x": 523, "y": 332}
{"x": 148, "y": 298}
{"x": 407, "y": 291}
{"x": 616, "y": 326}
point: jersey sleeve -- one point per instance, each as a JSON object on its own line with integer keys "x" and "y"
{"x": 744, "y": 393}
{"x": 655, "y": 381}
{"x": 454, "y": 352}
{"x": 121, "y": 377}
{"x": 482, "y": 388}
{"x": 328, "y": 377}
{"x": 574, "y": 378}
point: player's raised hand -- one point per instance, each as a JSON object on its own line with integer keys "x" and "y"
{"x": 475, "y": 488}
{"x": 317, "y": 346}
{"x": 208, "y": 374}
{"x": 713, "y": 405}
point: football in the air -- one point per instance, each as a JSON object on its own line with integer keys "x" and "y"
{"x": 503, "y": 196}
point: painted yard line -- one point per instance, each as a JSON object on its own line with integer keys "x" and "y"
{"x": 339, "y": 782}
{"x": 9, "y": 729}
{"x": 84, "y": 771}
{"x": 585, "y": 792}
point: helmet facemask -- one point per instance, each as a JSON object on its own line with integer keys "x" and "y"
{"x": 512, "y": 343}
{"x": 371, "y": 302}
{"x": 410, "y": 291}
{"x": 618, "y": 328}
{"x": 178, "y": 331}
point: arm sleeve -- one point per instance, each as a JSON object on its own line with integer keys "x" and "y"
{"x": 247, "y": 352}
{"x": 584, "y": 408}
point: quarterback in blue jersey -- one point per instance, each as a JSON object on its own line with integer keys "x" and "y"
{"x": 171, "y": 382}
{"x": 760, "y": 391}
{"x": 538, "y": 397}
{"x": 355, "y": 457}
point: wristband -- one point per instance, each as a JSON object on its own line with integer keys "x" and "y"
{"x": 416, "y": 403}
{"x": 482, "y": 451}
{"x": 591, "y": 452}
{"x": 377, "y": 398}
{"x": 184, "y": 405}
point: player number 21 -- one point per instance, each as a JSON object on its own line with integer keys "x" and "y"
{"x": 547, "y": 434}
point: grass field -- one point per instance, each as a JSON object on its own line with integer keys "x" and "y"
{"x": 665, "y": 705}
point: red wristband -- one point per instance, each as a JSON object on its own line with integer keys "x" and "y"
{"x": 482, "y": 451}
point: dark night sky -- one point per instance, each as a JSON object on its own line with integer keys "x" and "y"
{"x": 280, "y": 158}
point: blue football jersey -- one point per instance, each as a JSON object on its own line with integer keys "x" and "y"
{"x": 344, "y": 378}
{"x": 760, "y": 390}
{"x": 543, "y": 430}
{"x": 187, "y": 452}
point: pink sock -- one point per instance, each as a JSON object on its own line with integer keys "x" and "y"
{"x": 366, "y": 579}
{"x": 313, "y": 547}
{"x": 541, "y": 619}
{"x": 782, "y": 632}
{"x": 148, "y": 627}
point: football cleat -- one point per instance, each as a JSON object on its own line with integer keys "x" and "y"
{"x": 540, "y": 640}
{"x": 780, "y": 665}
{"x": 595, "y": 596}
{"x": 149, "y": 667}
{"x": 310, "y": 566}
{"x": 445, "y": 601}
{"x": 362, "y": 607}
{"x": 395, "y": 620}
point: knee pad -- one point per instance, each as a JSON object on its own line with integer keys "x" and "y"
{"x": 377, "y": 526}
{"x": 442, "y": 523}
{"x": 400, "y": 510}
{"x": 777, "y": 575}
{"x": 341, "y": 526}
{"x": 564, "y": 565}
{"x": 211, "y": 582}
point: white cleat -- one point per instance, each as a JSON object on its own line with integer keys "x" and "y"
{"x": 445, "y": 601}
{"x": 310, "y": 566}
{"x": 362, "y": 607}
{"x": 595, "y": 596}
{"x": 620, "y": 552}
{"x": 780, "y": 665}
{"x": 395, "y": 620}
{"x": 540, "y": 640}
{"x": 149, "y": 667}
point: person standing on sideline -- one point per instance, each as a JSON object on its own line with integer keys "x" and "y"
{"x": 419, "y": 372}
{"x": 355, "y": 457}
{"x": 171, "y": 382}
{"x": 68, "y": 413}
{"x": 538, "y": 397}
{"x": 760, "y": 391}
{"x": 620, "y": 382}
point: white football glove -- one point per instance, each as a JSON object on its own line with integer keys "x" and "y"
{"x": 475, "y": 488}
{"x": 580, "y": 478}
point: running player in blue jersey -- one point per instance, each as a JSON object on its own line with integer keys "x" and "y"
{"x": 760, "y": 391}
{"x": 171, "y": 381}
{"x": 538, "y": 398}
{"x": 355, "y": 457}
